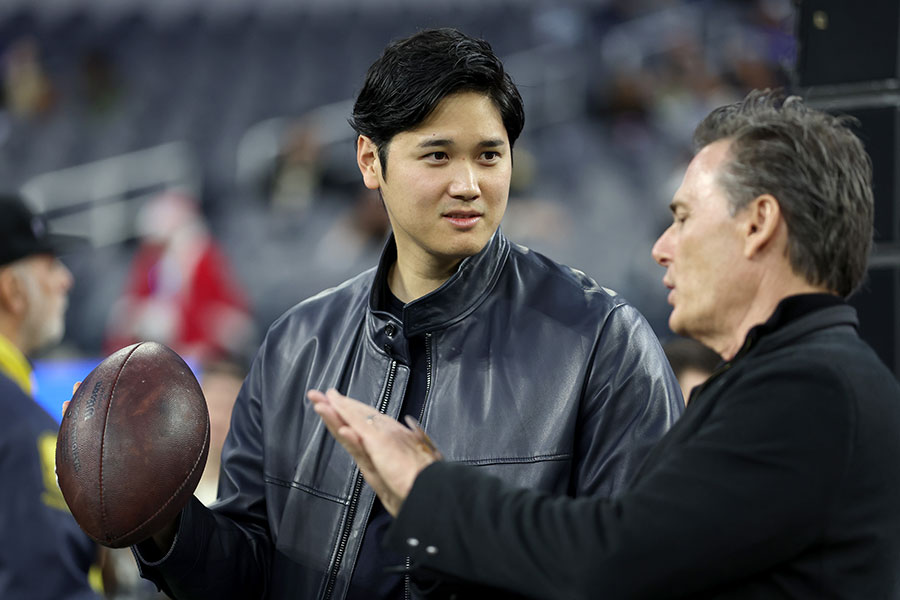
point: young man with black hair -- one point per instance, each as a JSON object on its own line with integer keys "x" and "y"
{"x": 511, "y": 362}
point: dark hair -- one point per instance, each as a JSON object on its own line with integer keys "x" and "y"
{"x": 816, "y": 168}
{"x": 414, "y": 74}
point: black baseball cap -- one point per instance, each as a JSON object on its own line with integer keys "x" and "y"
{"x": 25, "y": 233}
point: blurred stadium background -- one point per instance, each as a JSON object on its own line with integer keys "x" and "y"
{"x": 242, "y": 104}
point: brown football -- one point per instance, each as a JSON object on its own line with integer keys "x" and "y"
{"x": 132, "y": 444}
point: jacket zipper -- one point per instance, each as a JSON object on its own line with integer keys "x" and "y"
{"x": 421, "y": 416}
{"x": 354, "y": 497}
{"x": 427, "y": 375}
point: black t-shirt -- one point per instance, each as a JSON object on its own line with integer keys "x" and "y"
{"x": 379, "y": 573}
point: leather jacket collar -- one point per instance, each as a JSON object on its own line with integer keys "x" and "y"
{"x": 452, "y": 301}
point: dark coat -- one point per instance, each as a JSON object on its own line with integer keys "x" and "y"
{"x": 44, "y": 553}
{"x": 535, "y": 373}
{"x": 781, "y": 480}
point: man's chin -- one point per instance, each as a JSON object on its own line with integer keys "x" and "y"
{"x": 460, "y": 252}
{"x": 677, "y": 326}
{"x": 49, "y": 340}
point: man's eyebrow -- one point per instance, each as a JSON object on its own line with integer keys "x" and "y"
{"x": 435, "y": 142}
{"x": 441, "y": 142}
{"x": 675, "y": 205}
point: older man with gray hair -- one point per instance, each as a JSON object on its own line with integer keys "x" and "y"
{"x": 781, "y": 479}
{"x": 44, "y": 554}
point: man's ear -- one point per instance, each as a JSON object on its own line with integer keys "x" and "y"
{"x": 368, "y": 161}
{"x": 13, "y": 298}
{"x": 763, "y": 223}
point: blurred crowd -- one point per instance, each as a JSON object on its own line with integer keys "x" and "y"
{"x": 612, "y": 90}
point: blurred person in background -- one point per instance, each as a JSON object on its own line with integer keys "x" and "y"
{"x": 44, "y": 553}
{"x": 456, "y": 327}
{"x": 28, "y": 90}
{"x": 99, "y": 83}
{"x": 781, "y": 480}
{"x": 220, "y": 381}
{"x": 358, "y": 234}
{"x": 181, "y": 290}
{"x": 296, "y": 177}
{"x": 692, "y": 363}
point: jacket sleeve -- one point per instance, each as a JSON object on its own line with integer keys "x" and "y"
{"x": 631, "y": 399}
{"x": 752, "y": 488}
{"x": 223, "y": 552}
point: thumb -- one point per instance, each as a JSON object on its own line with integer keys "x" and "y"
{"x": 67, "y": 402}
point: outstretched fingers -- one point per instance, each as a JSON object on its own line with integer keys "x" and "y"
{"x": 349, "y": 438}
{"x": 335, "y": 424}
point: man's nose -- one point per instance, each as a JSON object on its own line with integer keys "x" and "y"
{"x": 661, "y": 251}
{"x": 464, "y": 184}
{"x": 64, "y": 276}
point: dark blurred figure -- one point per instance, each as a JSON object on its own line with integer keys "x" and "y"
{"x": 181, "y": 291}
{"x": 100, "y": 85}
{"x": 44, "y": 553}
{"x": 297, "y": 172}
{"x": 692, "y": 363}
{"x": 356, "y": 236}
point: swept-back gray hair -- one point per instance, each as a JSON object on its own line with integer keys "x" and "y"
{"x": 816, "y": 168}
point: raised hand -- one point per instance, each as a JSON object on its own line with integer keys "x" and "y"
{"x": 389, "y": 455}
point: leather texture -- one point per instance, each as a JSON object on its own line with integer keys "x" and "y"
{"x": 133, "y": 444}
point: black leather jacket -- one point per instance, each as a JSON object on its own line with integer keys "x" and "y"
{"x": 535, "y": 373}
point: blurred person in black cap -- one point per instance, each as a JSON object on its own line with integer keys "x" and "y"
{"x": 44, "y": 554}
